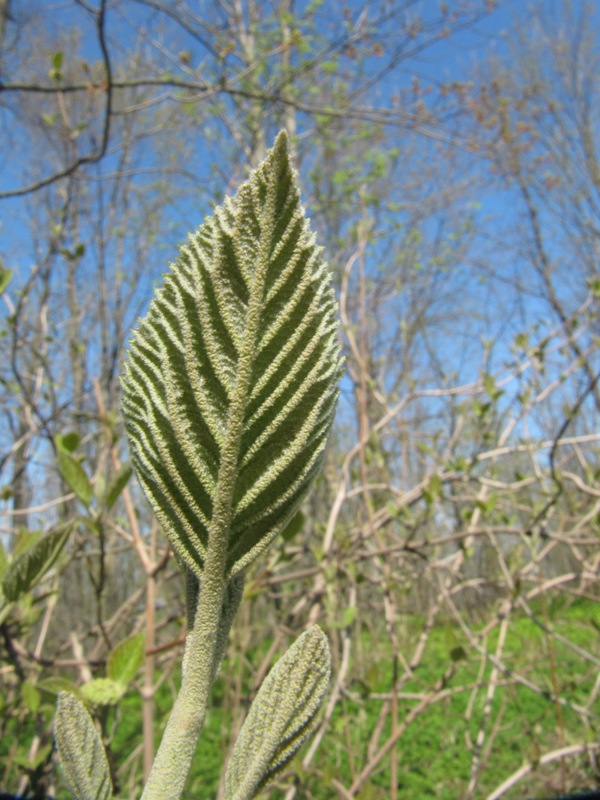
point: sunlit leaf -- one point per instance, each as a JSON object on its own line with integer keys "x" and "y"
{"x": 117, "y": 484}
{"x": 281, "y": 716}
{"x": 81, "y": 750}
{"x": 74, "y": 475}
{"x": 68, "y": 442}
{"x": 126, "y": 659}
{"x": 231, "y": 383}
{"x": 5, "y": 278}
{"x": 102, "y": 692}
{"x": 30, "y": 566}
{"x": 31, "y": 696}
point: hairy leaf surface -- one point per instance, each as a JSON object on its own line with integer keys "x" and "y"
{"x": 231, "y": 382}
{"x": 281, "y": 717}
{"x": 81, "y": 750}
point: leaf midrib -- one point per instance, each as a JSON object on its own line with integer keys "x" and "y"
{"x": 220, "y": 525}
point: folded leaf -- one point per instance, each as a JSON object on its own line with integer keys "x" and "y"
{"x": 281, "y": 716}
{"x": 81, "y": 751}
{"x": 231, "y": 382}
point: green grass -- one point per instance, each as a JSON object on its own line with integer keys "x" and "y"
{"x": 433, "y": 759}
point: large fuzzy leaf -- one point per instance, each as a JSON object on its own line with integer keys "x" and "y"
{"x": 231, "y": 382}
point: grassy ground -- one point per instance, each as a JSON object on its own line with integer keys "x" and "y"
{"x": 434, "y": 758}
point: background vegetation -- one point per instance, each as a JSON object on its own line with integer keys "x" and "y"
{"x": 448, "y": 157}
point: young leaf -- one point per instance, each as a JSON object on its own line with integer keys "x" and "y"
{"x": 5, "y": 278}
{"x": 55, "y": 685}
{"x": 116, "y": 486}
{"x": 102, "y": 692}
{"x": 126, "y": 659}
{"x": 281, "y": 716}
{"x": 3, "y": 560}
{"x": 31, "y": 696}
{"x": 31, "y": 565}
{"x": 81, "y": 751}
{"x": 231, "y": 382}
{"x": 74, "y": 475}
{"x": 69, "y": 442}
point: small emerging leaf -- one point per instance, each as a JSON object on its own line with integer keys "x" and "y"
{"x": 281, "y": 716}
{"x": 81, "y": 751}
{"x": 69, "y": 442}
{"x": 116, "y": 486}
{"x": 102, "y": 692}
{"x": 5, "y": 278}
{"x": 74, "y": 475}
{"x": 126, "y": 659}
{"x": 30, "y": 566}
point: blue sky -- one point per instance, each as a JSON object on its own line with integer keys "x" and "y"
{"x": 192, "y": 186}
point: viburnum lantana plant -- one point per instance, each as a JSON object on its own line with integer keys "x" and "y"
{"x": 229, "y": 393}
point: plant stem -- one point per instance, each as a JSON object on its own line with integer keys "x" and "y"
{"x": 174, "y": 757}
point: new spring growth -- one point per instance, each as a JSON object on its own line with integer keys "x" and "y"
{"x": 229, "y": 393}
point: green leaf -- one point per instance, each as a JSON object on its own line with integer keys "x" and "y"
{"x": 433, "y": 490}
{"x": 281, "y": 716}
{"x": 349, "y": 616}
{"x": 69, "y": 442}
{"x": 74, "y": 475}
{"x": 489, "y": 384}
{"x": 25, "y": 539}
{"x": 594, "y": 286}
{"x": 54, "y": 73}
{"x": 330, "y": 67}
{"x": 346, "y": 620}
{"x": 3, "y": 560}
{"x": 117, "y": 484}
{"x": 31, "y": 696}
{"x": 293, "y": 527}
{"x": 30, "y": 566}
{"x": 487, "y": 505}
{"x": 81, "y": 751}
{"x": 5, "y": 278}
{"x": 231, "y": 383}
{"x": 102, "y": 692}
{"x": 126, "y": 659}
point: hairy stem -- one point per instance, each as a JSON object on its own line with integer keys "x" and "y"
{"x": 174, "y": 757}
